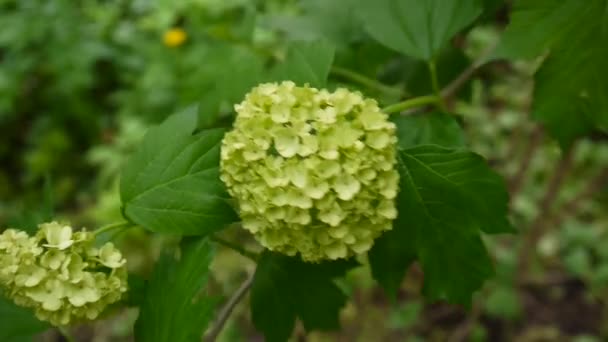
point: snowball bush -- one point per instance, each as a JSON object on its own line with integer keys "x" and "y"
{"x": 313, "y": 171}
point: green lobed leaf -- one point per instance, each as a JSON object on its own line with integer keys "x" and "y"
{"x": 171, "y": 184}
{"x": 536, "y": 25}
{"x": 434, "y": 128}
{"x": 447, "y": 198}
{"x": 18, "y": 324}
{"x": 286, "y": 288}
{"x": 174, "y": 309}
{"x": 306, "y": 62}
{"x": 569, "y": 95}
{"x": 417, "y": 28}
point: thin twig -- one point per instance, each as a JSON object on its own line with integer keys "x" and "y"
{"x": 225, "y": 312}
{"x": 537, "y": 228}
{"x": 235, "y": 247}
{"x": 533, "y": 143}
{"x": 452, "y": 88}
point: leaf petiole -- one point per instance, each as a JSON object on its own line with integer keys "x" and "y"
{"x": 434, "y": 81}
{"x": 366, "y": 81}
{"x": 411, "y": 103}
{"x": 113, "y": 226}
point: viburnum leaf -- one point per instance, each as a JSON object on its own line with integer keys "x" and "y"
{"x": 319, "y": 19}
{"x": 570, "y": 88}
{"x": 174, "y": 309}
{"x": 18, "y": 324}
{"x": 171, "y": 184}
{"x": 417, "y": 28}
{"x": 434, "y": 128}
{"x": 306, "y": 62}
{"x": 286, "y": 288}
{"x": 448, "y": 197}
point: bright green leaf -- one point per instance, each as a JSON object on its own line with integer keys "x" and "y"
{"x": 433, "y": 128}
{"x": 306, "y": 62}
{"x": 171, "y": 184}
{"x": 447, "y": 198}
{"x": 174, "y": 309}
{"x": 18, "y": 324}
{"x": 417, "y": 28}
{"x": 286, "y": 288}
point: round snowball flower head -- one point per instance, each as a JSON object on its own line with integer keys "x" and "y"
{"x": 60, "y": 274}
{"x": 313, "y": 171}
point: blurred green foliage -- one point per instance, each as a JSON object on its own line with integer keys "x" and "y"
{"x": 80, "y": 82}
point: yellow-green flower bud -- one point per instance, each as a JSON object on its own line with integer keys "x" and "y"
{"x": 313, "y": 171}
{"x": 60, "y": 274}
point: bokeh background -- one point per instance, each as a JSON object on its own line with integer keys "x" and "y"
{"x": 81, "y": 81}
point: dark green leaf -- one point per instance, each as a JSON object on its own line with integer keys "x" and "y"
{"x": 285, "y": 288}
{"x": 433, "y": 128}
{"x": 239, "y": 72}
{"x": 18, "y": 324}
{"x": 570, "y": 88}
{"x": 418, "y": 28}
{"x": 536, "y": 25}
{"x": 174, "y": 309}
{"x": 447, "y": 198}
{"x": 306, "y": 62}
{"x": 136, "y": 295}
{"x": 172, "y": 185}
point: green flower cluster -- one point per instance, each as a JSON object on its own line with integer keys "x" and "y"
{"x": 60, "y": 274}
{"x": 313, "y": 171}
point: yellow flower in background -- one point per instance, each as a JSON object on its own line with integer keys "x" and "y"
{"x": 174, "y": 37}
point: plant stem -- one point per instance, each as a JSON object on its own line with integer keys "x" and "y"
{"x": 411, "y": 103}
{"x": 239, "y": 249}
{"x": 434, "y": 81}
{"x": 533, "y": 142}
{"x": 113, "y": 226}
{"x": 537, "y": 228}
{"x": 365, "y": 81}
{"x": 66, "y": 334}
{"x": 224, "y": 314}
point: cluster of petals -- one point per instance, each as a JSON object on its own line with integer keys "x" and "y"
{"x": 313, "y": 171}
{"x": 60, "y": 274}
